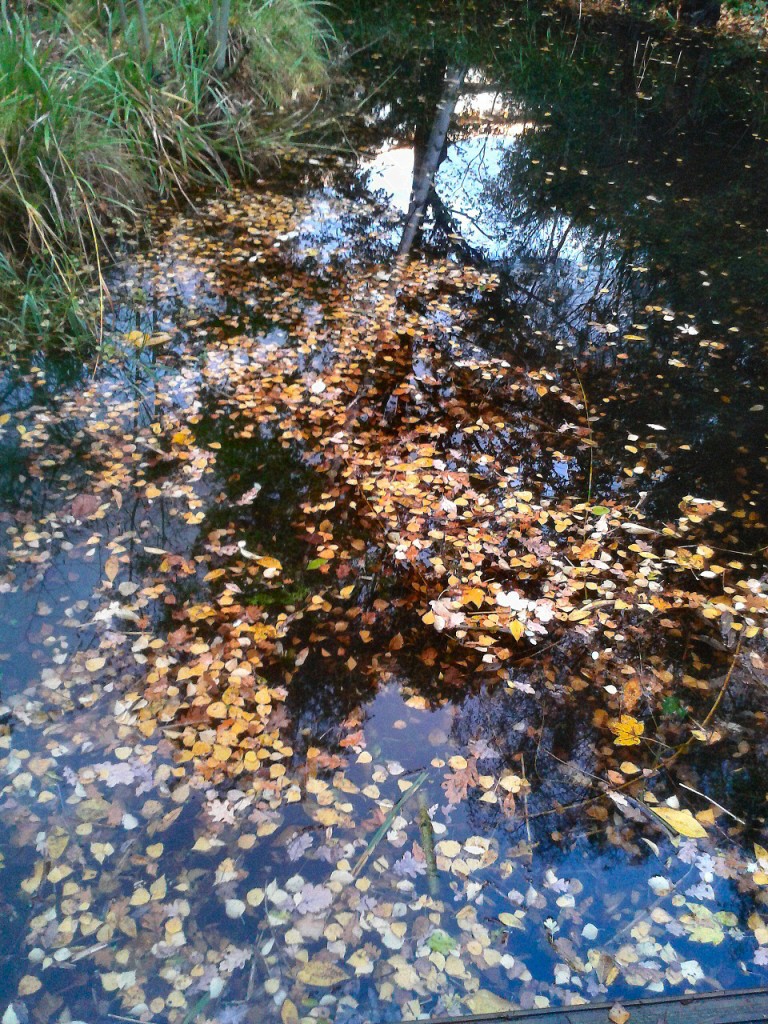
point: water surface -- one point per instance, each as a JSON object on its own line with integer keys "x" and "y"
{"x": 217, "y": 681}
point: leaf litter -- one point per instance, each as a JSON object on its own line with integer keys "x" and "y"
{"x": 204, "y": 821}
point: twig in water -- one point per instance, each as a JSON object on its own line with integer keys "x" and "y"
{"x": 724, "y": 687}
{"x": 428, "y": 844}
{"x": 525, "y": 807}
{"x": 714, "y": 803}
{"x": 132, "y": 1020}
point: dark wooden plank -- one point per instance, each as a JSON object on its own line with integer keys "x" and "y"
{"x": 747, "y": 1007}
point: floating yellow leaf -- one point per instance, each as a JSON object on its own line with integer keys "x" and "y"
{"x": 682, "y": 822}
{"x": 159, "y": 888}
{"x": 269, "y": 563}
{"x": 32, "y": 884}
{"x": 627, "y": 731}
{"x": 448, "y": 848}
{"x": 511, "y": 783}
{"x": 57, "y": 844}
{"x": 704, "y": 926}
{"x": 114, "y": 981}
{"x": 29, "y": 985}
{"x": 101, "y": 851}
{"x": 288, "y": 1013}
{"x": 516, "y": 628}
{"x": 511, "y": 920}
{"x": 326, "y": 816}
{"x": 706, "y": 817}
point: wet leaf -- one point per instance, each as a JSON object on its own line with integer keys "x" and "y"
{"x": 321, "y": 974}
{"x": 682, "y": 821}
{"x": 484, "y": 1001}
{"x": 628, "y": 731}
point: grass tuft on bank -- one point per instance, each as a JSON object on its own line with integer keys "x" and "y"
{"x": 105, "y": 106}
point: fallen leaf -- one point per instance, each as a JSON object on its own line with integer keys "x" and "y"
{"x": 682, "y": 821}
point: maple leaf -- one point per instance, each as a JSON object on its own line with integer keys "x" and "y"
{"x": 299, "y": 845}
{"x": 457, "y": 783}
{"x": 408, "y": 866}
{"x": 234, "y": 959}
{"x": 313, "y": 899}
{"x": 482, "y": 750}
{"x": 221, "y": 811}
{"x": 627, "y": 731}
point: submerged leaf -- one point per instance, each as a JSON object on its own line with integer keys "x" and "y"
{"x": 322, "y": 974}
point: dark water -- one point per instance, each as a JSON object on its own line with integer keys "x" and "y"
{"x": 614, "y": 180}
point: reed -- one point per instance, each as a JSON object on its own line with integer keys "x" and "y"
{"x": 104, "y": 109}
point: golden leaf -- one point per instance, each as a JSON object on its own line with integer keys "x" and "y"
{"x": 606, "y": 968}
{"x": 683, "y": 822}
{"x": 516, "y": 628}
{"x": 632, "y": 692}
{"x": 511, "y": 920}
{"x": 159, "y": 888}
{"x": 269, "y": 563}
{"x": 627, "y": 731}
{"x": 588, "y": 550}
{"x": 484, "y": 1001}
{"x": 448, "y": 848}
{"x": 288, "y": 1013}
{"x": 321, "y": 974}
{"x": 511, "y": 783}
{"x": 29, "y": 985}
{"x": 32, "y": 884}
{"x": 618, "y": 1015}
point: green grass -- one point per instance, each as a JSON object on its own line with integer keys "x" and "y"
{"x": 93, "y": 126}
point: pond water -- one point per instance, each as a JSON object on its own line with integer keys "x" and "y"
{"x": 384, "y": 622}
